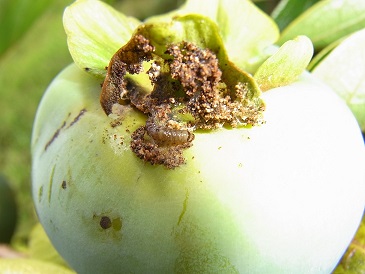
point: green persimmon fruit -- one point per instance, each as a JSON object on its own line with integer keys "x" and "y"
{"x": 283, "y": 197}
{"x": 189, "y": 143}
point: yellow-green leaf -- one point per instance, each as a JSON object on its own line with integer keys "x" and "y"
{"x": 353, "y": 261}
{"x": 31, "y": 266}
{"x": 318, "y": 58}
{"x": 95, "y": 31}
{"x": 344, "y": 70}
{"x": 286, "y": 65}
{"x": 41, "y": 248}
{"x": 327, "y": 21}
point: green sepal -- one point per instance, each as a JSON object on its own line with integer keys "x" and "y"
{"x": 95, "y": 31}
{"x": 286, "y": 65}
{"x": 204, "y": 33}
{"x": 246, "y": 31}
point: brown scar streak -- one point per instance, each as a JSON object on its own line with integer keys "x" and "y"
{"x": 55, "y": 135}
{"x": 58, "y": 131}
{"x": 77, "y": 118}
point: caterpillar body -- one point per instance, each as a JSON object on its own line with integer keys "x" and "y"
{"x": 164, "y": 135}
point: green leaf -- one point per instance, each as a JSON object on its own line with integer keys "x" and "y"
{"x": 318, "y": 58}
{"x": 41, "y": 248}
{"x": 26, "y": 69}
{"x": 8, "y": 210}
{"x": 343, "y": 69}
{"x": 247, "y": 32}
{"x": 285, "y": 66}
{"x": 287, "y": 10}
{"x": 95, "y": 31}
{"x": 29, "y": 266}
{"x": 327, "y": 21}
{"x": 16, "y": 17}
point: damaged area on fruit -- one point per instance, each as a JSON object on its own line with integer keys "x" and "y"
{"x": 176, "y": 70}
{"x": 180, "y": 87}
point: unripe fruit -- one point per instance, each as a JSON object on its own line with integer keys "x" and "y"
{"x": 282, "y": 197}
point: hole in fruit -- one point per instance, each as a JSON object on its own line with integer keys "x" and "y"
{"x": 105, "y": 222}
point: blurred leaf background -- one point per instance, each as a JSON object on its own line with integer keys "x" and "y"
{"x": 33, "y": 51}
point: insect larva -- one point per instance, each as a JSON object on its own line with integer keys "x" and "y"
{"x": 167, "y": 136}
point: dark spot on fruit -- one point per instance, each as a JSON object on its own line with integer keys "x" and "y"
{"x": 87, "y": 69}
{"x": 64, "y": 184}
{"x": 105, "y": 222}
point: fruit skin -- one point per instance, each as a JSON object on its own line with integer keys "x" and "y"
{"x": 8, "y": 211}
{"x": 284, "y": 197}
